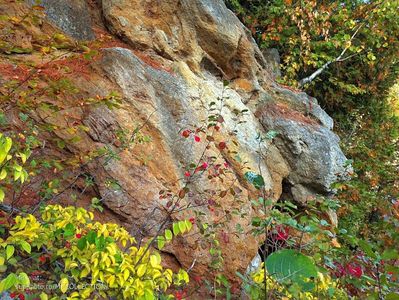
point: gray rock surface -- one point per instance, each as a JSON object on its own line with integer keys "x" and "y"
{"x": 71, "y": 16}
{"x": 312, "y": 152}
{"x": 272, "y": 58}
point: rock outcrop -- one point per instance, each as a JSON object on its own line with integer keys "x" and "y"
{"x": 176, "y": 57}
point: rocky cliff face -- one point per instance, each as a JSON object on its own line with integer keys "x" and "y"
{"x": 170, "y": 66}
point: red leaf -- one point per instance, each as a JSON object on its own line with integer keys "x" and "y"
{"x": 222, "y": 145}
{"x": 186, "y": 133}
{"x": 355, "y": 270}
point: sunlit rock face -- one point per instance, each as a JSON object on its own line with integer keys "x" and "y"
{"x": 176, "y": 57}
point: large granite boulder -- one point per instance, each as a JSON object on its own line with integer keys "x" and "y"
{"x": 173, "y": 65}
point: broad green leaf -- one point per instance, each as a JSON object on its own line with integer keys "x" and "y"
{"x": 82, "y": 243}
{"x": 168, "y": 235}
{"x": 69, "y": 230}
{"x": 161, "y": 242}
{"x": 91, "y": 237}
{"x": 390, "y": 254}
{"x": 392, "y": 296}
{"x": 23, "y": 279}
{"x": 291, "y": 265}
{"x": 149, "y": 295}
{"x": 255, "y": 179}
{"x": 25, "y": 246}
{"x": 176, "y": 229}
{"x": 182, "y": 226}
{"x": 8, "y": 282}
{"x": 367, "y": 249}
{"x": 9, "y": 251}
{"x": 189, "y": 225}
{"x": 2, "y": 195}
{"x": 100, "y": 243}
{"x": 5, "y": 146}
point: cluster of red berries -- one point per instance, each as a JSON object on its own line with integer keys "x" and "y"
{"x": 19, "y": 296}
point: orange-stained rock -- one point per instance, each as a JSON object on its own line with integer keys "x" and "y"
{"x": 168, "y": 70}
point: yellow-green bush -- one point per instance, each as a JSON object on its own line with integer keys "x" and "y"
{"x": 83, "y": 254}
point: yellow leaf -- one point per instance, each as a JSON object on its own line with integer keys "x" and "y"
{"x": 43, "y": 296}
{"x": 335, "y": 243}
{"x": 126, "y": 274}
{"x": 23, "y": 224}
{"x": 141, "y": 270}
{"x": 155, "y": 260}
{"x": 3, "y": 174}
{"x": 111, "y": 280}
{"x": 84, "y": 272}
{"x": 63, "y": 284}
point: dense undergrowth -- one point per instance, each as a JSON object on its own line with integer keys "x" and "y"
{"x": 345, "y": 53}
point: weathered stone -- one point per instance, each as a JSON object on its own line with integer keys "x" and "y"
{"x": 182, "y": 52}
{"x": 71, "y": 16}
{"x": 178, "y": 100}
{"x": 187, "y": 31}
{"x": 272, "y": 58}
{"x": 312, "y": 152}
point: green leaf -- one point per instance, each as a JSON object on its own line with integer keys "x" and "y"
{"x": 182, "y": 226}
{"x": 189, "y": 225}
{"x": 69, "y": 230}
{"x": 2, "y": 195}
{"x": 23, "y": 279}
{"x": 390, "y": 254}
{"x": 161, "y": 242}
{"x": 9, "y": 251}
{"x": 100, "y": 243}
{"x": 176, "y": 229}
{"x": 26, "y": 246}
{"x": 168, "y": 235}
{"x": 5, "y": 146}
{"x": 256, "y": 180}
{"x": 8, "y": 282}
{"x": 367, "y": 249}
{"x": 392, "y": 296}
{"x": 91, "y": 237}
{"x": 149, "y": 295}
{"x": 82, "y": 243}
{"x": 392, "y": 269}
{"x": 291, "y": 265}
{"x": 271, "y": 134}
